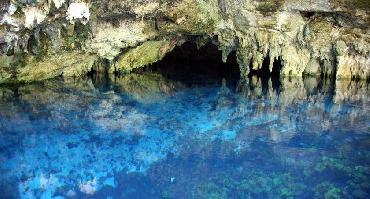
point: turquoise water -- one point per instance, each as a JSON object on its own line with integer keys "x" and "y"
{"x": 147, "y": 136}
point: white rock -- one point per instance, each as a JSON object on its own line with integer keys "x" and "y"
{"x": 8, "y": 19}
{"x": 58, "y": 3}
{"x": 78, "y": 11}
{"x": 89, "y": 187}
{"x": 12, "y": 9}
{"x": 34, "y": 16}
{"x": 71, "y": 193}
{"x": 128, "y": 33}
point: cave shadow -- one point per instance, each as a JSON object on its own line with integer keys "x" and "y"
{"x": 265, "y": 74}
{"x": 194, "y": 66}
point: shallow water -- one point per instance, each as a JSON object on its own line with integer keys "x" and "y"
{"x": 146, "y": 136}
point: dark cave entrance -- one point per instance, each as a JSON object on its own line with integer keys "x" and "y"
{"x": 193, "y": 66}
{"x": 264, "y": 71}
{"x": 265, "y": 74}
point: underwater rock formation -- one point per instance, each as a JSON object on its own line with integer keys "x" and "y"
{"x": 41, "y": 39}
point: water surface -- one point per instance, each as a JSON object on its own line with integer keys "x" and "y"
{"x": 149, "y": 136}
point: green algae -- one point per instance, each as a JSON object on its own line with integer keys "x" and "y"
{"x": 269, "y": 5}
{"x": 75, "y": 36}
{"x": 43, "y": 48}
{"x": 254, "y": 184}
{"x": 5, "y": 73}
{"x": 210, "y": 191}
{"x": 329, "y": 191}
{"x": 250, "y": 185}
{"x": 147, "y": 53}
{"x": 194, "y": 17}
{"x": 280, "y": 185}
{"x": 353, "y": 4}
{"x": 333, "y": 164}
{"x": 66, "y": 64}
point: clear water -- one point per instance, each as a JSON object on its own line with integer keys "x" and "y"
{"x": 145, "y": 136}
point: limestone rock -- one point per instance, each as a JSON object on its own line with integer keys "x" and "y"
{"x": 30, "y": 68}
{"x": 147, "y": 53}
{"x": 328, "y": 38}
{"x": 109, "y": 39}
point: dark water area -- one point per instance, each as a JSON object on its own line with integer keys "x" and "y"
{"x": 167, "y": 135}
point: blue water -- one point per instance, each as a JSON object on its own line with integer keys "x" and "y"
{"x": 145, "y": 136}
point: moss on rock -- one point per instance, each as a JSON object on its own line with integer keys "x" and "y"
{"x": 30, "y": 68}
{"x": 147, "y": 53}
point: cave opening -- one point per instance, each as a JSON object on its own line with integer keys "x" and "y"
{"x": 197, "y": 66}
{"x": 264, "y": 71}
{"x": 265, "y": 74}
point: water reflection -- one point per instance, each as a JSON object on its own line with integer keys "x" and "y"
{"x": 146, "y": 136}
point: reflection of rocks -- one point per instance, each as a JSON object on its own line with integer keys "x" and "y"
{"x": 309, "y": 97}
{"x": 298, "y": 100}
{"x": 354, "y": 91}
{"x": 224, "y": 99}
{"x": 146, "y": 87}
{"x": 46, "y": 99}
{"x": 65, "y": 128}
{"x": 297, "y": 132}
{"x": 51, "y": 132}
{"x": 112, "y": 115}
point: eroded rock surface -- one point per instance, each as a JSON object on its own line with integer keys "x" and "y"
{"x": 320, "y": 38}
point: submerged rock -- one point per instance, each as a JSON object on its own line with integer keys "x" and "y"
{"x": 321, "y": 38}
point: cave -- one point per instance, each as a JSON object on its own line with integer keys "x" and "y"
{"x": 264, "y": 71}
{"x": 184, "y": 99}
{"x": 265, "y": 74}
{"x": 196, "y": 66}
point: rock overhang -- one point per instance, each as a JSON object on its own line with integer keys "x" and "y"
{"x": 321, "y": 38}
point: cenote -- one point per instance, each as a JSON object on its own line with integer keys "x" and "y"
{"x": 186, "y": 127}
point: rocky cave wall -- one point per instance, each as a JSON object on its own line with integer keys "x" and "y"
{"x": 42, "y": 39}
